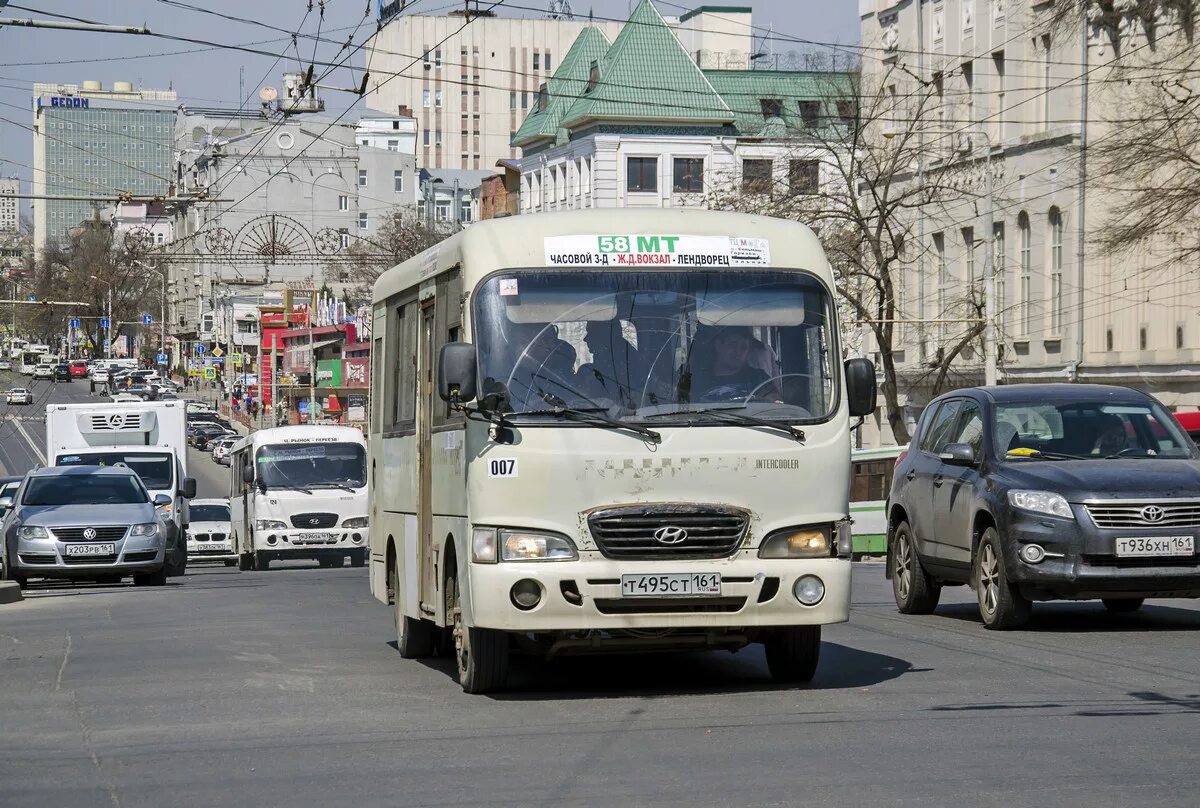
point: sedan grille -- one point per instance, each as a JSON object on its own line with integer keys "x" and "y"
{"x": 658, "y": 531}
{"x": 1180, "y": 513}
{"x": 309, "y": 521}
{"x": 207, "y": 537}
{"x": 76, "y": 533}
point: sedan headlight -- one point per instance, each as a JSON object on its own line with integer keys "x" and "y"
{"x": 526, "y": 545}
{"x": 1046, "y": 502}
{"x": 269, "y": 524}
{"x": 356, "y": 521}
{"x": 32, "y": 532}
{"x": 796, "y": 542}
{"x": 144, "y": 529}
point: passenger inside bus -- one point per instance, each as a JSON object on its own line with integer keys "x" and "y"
{"x": 543, "y": 369}
{"x": 616, "y": 371}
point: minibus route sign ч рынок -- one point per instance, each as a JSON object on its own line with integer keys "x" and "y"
{"x": 656, "y": 250}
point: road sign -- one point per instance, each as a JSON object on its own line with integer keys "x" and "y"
{"x": 104, "y": 323}
{"x": 162, "y": 359}
{"x": 74, "y": 323}
{"x": 200, "y": 349}
{"x": 217, "y": 352}
{"x": 32, "y": 298}
{"x": 210, "y": 373}
{"x": 147, "y": 319}
{"x": 193, "y": 372}
{"x": 216, "y": 360}
{"x": 107, "y": 343}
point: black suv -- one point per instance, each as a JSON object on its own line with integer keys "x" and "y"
{"x": 1045, "y": 492}
{"x": 62, "y": 372}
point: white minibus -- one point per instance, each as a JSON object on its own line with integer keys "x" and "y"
{"x": 299, "y": 492}
{"x": 612, "y": 430}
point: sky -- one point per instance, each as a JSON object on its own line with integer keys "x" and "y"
{"x": 209, "y": 76}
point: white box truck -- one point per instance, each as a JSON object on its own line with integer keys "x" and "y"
{"x": 148, "y": 437}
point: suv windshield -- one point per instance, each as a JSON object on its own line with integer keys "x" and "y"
{"x": 153, "y": 467}
{"x": 1087, "y": 430}
{"x": 209, "y": 513}
{"x": 85, "y": 489}
{"x": 312, "y": 465}
{"x": 643, "y": 344}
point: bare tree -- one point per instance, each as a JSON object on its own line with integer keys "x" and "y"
{"x": 401, "y": 235}
{"x": 859, "y": 175}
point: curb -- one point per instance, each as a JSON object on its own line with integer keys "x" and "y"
{"x": 10, "y": 592}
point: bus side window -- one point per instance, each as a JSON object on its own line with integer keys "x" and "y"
{"x": 447, "y": 327}
{"x": 401, "y": 374}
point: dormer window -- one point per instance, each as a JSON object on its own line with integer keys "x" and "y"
{"x": 593, "y": 77}
{"x": 771, "y": 107}
{"x": 543, "y": 98}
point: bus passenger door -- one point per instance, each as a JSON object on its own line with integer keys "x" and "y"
{"x": 425, "y": 404}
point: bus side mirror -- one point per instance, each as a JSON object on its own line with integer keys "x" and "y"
{"x": 860, "y": 387}
{"x": 247, "y": 474}
{"x": 457, "y": 369}
{"x": 189, "y": 487}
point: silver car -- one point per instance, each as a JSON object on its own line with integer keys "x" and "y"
{"x": 94, "y": 522}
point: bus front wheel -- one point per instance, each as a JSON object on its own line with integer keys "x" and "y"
{"x": 261, "y": 561}
{"x": 245, "y": 562}
{"x": 793, "y": 653}
{"x": 481, "y": 654}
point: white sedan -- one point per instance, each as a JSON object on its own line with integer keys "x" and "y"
{"x": 43, "y": 372}
{"x": 208, "y": 531}
{"x": 18, "y": 395}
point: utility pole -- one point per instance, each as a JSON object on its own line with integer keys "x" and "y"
{"x": 1081, "y": 244}
{"x": 989, "y": 275}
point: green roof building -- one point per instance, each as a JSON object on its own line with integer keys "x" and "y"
{"x": 639, "y": 122}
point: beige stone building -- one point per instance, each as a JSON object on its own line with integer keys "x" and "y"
{"x": 1009, "y": 83}
{"x": 471, "y": 86}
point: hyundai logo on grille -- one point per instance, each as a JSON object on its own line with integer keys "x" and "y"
{"x": 314, "y": 521}
{"x": 670, "y": 534}
{"x": 1153, "y": 513}
{"x": 89, "y": 533}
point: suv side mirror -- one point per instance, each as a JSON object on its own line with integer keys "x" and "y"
{"x": 457, "y": 371}
{"x": 189, "y": 487}
{"x": 958, "y": 454}
{"x": 247, "y": 474}
{"x": 860, "y": 387}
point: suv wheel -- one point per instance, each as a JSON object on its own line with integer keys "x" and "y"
{"x": 915, "y": 591}
{"x": 1001, "y": 605}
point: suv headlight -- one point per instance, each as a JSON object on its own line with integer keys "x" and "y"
{"x": 269, "y": 524}
{"x": 356, "y": 521}
{"x": 1046, "y": 502}
{"x": 32, "y": 532}
{"x": 796, "y": 542}
{"x": 144, "y": 529}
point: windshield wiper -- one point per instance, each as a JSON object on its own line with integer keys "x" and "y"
{"x": 593, "y": 416}
{"x": 287, "y": 488}
{"x": 1035, "y": 454}
{"x": 738, "y": 419}
{"x": 342, "y": 486}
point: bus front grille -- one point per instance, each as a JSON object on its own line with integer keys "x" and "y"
{"x": 309, "y": 521}
{"x": 668, "y": 531}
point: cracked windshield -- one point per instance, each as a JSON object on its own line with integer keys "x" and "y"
{"x": 653, "y": 345}
{"x": 312, "y": 465}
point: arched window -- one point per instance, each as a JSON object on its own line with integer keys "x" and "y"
{"x": 1055, "y": 222}
{"x": 1023, "y": 227}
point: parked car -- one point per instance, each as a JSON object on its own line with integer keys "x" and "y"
{"x": 127, "y": 398}
{"x": 43, "y": 372}
{"x": 18, "y": 395}
{"x": 1190, "y": 421}
{"x": 62, "y": 372}
{"x": 8, "y": 489}
{"x": 204, "y": 438}
{"x": 84, "y": 522}
{"x": 195, "y": 432}
{"x": 1045, "y": 492}
{"x": 78, "y": 368}
{"x": 142, "y": 391}
{"x": 220, "y": 448}
{"x": 5, "y": 364}
{"x": 208, "y": 536}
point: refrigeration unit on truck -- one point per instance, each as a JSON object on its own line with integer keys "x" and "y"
{"x": 149, "y": 438}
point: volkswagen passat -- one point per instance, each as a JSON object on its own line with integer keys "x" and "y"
{"x": 1045, "y": 492}
{"x": 93, "y": 522}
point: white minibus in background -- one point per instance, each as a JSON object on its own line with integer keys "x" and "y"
{"x": 299, "y": 492}
{"x": 619, "y": 430}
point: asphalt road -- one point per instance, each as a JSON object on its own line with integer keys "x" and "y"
{"x": 284, "y": 688}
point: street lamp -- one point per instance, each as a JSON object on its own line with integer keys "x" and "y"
{"x": 108, "y": 337}
{"x": 162, "y": 314}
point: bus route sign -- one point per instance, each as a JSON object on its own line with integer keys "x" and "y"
{"x": 641, "y": 249}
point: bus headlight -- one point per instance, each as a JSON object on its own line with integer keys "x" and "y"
{"x": 355, "y": 522}
{"x": 796, "y": 542}
{"x": 269, "y": 524}
{"x": 526, "y": 545}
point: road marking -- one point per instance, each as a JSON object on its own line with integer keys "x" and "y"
{"x": 41, "y": 456}
{"x": 63, "y": 667}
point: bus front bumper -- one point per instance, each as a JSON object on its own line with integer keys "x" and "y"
{"x": 305, "y": 543}
{"x": 587, "y": 595}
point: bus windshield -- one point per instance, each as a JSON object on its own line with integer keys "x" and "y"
{"x": 312, "y": 465}
{"x": 657, "y": 344}
{"x": 153, "y": 467}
